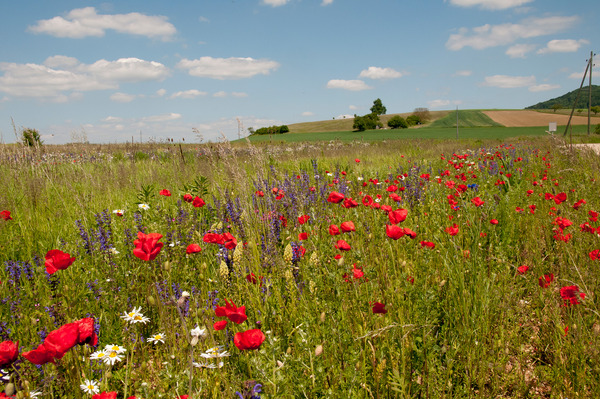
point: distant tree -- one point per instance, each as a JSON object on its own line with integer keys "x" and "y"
{"x": 366, "y": 122}
{"x": 284, "y": 129}
{"x": 556, "y": 106}
{"x": 31, "y": 137}
{"x": 251, "y": 131}
{"x": 397, "y": 122}
{"x": 579, "y": 111}
{"x": 413, "y": 120}
{"x": 378, "y": 108}
{"x": 595, "y": 109}
{"x": 423, "y": 114}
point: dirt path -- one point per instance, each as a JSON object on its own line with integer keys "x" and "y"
{"x": 534, "y": 118}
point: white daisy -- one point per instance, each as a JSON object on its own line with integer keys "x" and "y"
{"x": 99, "y": 355}
{"x": 198, "y": 332}
{"x": 115, "y": 348}
{"x": 119, "y": 212}
{"x": 90, "y": 387}
{"x": 112, "y": 358}
{"x": 135, "y": 316}
{"x": 214, "y": 352}
{"x": 144, "y": 206}
{"x": 156, "y": 338}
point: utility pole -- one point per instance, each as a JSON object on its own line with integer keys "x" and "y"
{"x": 590, "y": 91}
{"x": 457, "y": 122}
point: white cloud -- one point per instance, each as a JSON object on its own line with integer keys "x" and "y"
{"x": 239, "y": 94}
{"x": 275, "y": 3}
{"x": 161, "y": 92}
{"x": 486, "y": 36}
{"x": 352, "y": 107}
{"x": 203, "y": 19}
{"x": 326, "y": 2}
{"x": 227, "y": 68}
{"x": 438, "y": 103}
{"x": 352, "y": 85}
{"x": 220, "y": 94}
{"x": 519, "y": 50}
{"x": 161, "y": 118}
{"x": 509, "y": 82}
{"x": 188, "y": 94}
{"x": 84, "y": 22}
{"x": 490, "y": 4}
{"x": 579, "y": 75}
{"x": 60, "y": 77}
{"x": 464, "y": 73}
{"x": 562, "y": 46}
{"x": 543, "y": 87}
{"x": 308, "y": 113}
{"x": 122, "y": 97}
{"x": 380, "y": 73}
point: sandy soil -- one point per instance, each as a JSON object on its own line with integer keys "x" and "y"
{"x": 533, "y": 118}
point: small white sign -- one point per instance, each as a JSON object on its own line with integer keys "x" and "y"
{"x": 552, "y": 127}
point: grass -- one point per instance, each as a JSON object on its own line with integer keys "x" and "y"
{"x": 463, "y": 319}
{"x": 430, "y": 133}
{"x": 469, "y": 118}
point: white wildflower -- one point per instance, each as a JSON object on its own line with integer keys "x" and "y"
{"x": 90, "y": 387}
{"x": 156, "y": 338}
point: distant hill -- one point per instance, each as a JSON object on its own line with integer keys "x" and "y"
{"x": 466, "y": 118}
{"x": 567, "y": 100}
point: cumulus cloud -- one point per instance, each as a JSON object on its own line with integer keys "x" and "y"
{"x": 352, "y": 85}
{"x": 227, "y": 68}
{"x": 486, "y": 36}
{"x": 464, "y": 73}
{"x": 85, "y": 22}
{"x": 220, "y": 94}
{"x": 274, "y": 3}
{"x": 122, "y": 97}
{"x": 380, "y": 73}
{"x": 490, "y": 4}
{"x": 509, "y": 82}
{"x": 326, "y": 2}
{"x": 59, "y": 77}
{"x": 188, "y": 94}
{"x": 161, "y": 92}
{"x": 562, "y": 46}
{"x": 519, "y": 50}
{"x": 543, "y": 87}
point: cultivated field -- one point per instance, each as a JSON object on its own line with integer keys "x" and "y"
{"x": 525, "y": 118}
{"x": 421, "y": 268}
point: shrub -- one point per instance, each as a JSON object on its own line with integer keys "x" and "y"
{"x": 397, "y": 122}
{"x": 31, "y": 138}
{"x": 366, "y": 122}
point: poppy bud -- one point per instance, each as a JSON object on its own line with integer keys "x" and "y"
{"x": 323, "y": 317}
{"x": 319, "y": 350}
{"x": 151, "y": 300}
{"x": 9, "y": 389}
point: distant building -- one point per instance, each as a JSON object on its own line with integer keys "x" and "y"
{"x": 344, "y": 117}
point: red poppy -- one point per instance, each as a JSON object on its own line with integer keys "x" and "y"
{"x": 452, "y": 230}
{"x": 105, "y": 395}
{"x": 192, "y": 249}
{"x": 232, "y": 312}
{"x": 165, "y": 192}
{"x": 9, "y": 352}
{"x": 87, "y": 335}
{"x": 427, "y": 244}
{"x": 522, "y": 269}
{"x": 560, "y": 197}
{"x": 397, "y": 216}
{"x": 347, "y": 227}
{"x": 394, "y": 232}
{"x": 570, "y": 295}
{"x": 349, "y": 203}
{"x": 391, "y": 189}
{"x": 367, "y": 200}
{"x": 5, "y": 215}
{"x": 303, "y": 236}
{"x": 546, "y": 280}
{"x": 213, "y": 238}
{"x": 335, "y": 197}
{"x": 334, "y": 230}
{"x": 303, "y": 219}
{"x": 229, "y": 241}
{"x": 220, "y": 325}
{"x": 410, "y": 233}
{"x": 56, "y": 344}
{"x": 253, "y": 279}
{"x": 198, "y": 202}
{"x": 357, "y": 160}
{"x": 188, "y": 198}
{"x": 249, "y": 340}
{"x": 410, "y": 279}
{"x": 342, "y": 245}
{"x": 259, "y": 193}
{"x": 147, "y": 246}
{"x": 379, "y": 307}
{"x": 57, "y": 260}
{"x": 357, "y": 274}
{"x": 595, "y": 254}
{"x": 477, "y": 201}
{"x": 578, "y": 204}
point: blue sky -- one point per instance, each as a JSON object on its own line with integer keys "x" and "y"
{"x": 107, "y": 71}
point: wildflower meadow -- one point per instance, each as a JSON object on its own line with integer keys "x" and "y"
{"x": 425, "y": 269}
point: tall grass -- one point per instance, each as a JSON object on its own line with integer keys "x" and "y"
{"x": 464, "y": 319}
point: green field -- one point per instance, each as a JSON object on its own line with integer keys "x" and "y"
{"x": 467, "y": 118}
{"x": 439, "y": 133}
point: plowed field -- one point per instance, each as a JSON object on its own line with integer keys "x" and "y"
{"x": 527, "y": 118}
